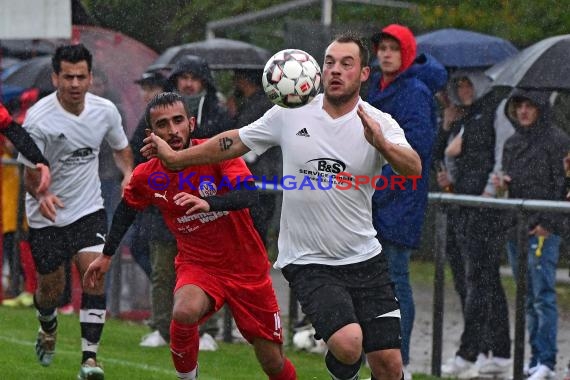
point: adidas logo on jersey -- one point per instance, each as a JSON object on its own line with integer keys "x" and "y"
{"x": 303, "y": 132}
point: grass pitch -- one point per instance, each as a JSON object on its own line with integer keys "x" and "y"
{"x": 121, "y": 356}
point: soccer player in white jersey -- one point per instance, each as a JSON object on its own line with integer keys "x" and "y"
{"x": 68, "y": 221}
{"x": 327, "y": 246}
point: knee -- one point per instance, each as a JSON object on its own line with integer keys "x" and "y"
{"x": 387, "y": 366}
{"x": 347, "y": 352}
{"x": 346, "y": 344}
{"x": 186, "y": 315}
{"x": 393, "y": 370}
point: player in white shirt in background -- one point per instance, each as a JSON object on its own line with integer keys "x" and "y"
{"x": 68, "y": 221}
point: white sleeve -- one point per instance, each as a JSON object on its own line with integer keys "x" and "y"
{"x": 390, "y": 128}
{"x": 116, "y": 137}
{"x": 263, "y": 133}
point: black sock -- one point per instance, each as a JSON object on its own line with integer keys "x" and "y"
{"x": 92, "y": 320}
{"x": 341, "y": 371}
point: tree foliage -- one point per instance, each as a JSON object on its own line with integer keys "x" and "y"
{"x": 522, "y": 22}
{"x": 163, "y": 23}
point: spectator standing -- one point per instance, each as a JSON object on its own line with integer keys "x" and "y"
{"x": 234, "y": 270}
{"x": 68, "y": 222}
{"x": 460, "y": 95}
{"x": 191, "y": 78}
{"x": 533, "y": 166}
{"x": 339, "y": 274}
{"x": 470, "y": 152}
{"x": 404, "y": 87}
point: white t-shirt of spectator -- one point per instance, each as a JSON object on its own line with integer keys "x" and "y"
{"x": 320, "y": 222}
{"x": 71, "y": 145}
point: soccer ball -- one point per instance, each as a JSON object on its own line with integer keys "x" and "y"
{"x": 305, "y": 340}
{"x": 291, "y": 78}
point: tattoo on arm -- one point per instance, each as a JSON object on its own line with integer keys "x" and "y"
{"x": 225, "y": 143}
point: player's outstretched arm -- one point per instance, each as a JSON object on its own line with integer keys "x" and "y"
{"x": 221, "y": 147}
{"x": 403, "y": 160}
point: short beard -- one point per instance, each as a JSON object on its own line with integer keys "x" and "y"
{"x": 339, "y": 100}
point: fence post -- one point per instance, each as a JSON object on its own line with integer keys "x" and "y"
{"x": 521, "y": 283}
{"x": 438, "y": 287}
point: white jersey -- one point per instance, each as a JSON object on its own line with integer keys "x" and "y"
{"x": 71, "y": 145}
{"x": 321, "y": 223}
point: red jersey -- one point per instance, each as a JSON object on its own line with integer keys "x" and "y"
{"x": 220, "y": 241}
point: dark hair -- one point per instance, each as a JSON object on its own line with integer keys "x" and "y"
{"x": 73, "y": 54}
{"x": 162, "y": 100}
{"x": 349, "y": 37}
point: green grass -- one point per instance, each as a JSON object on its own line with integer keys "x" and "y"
{"x": 122, "y": 357}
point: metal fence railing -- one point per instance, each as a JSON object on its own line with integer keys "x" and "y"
{"x": 522, "y": 207}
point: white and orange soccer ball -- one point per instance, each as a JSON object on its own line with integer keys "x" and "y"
{"x": 291, "y": 78}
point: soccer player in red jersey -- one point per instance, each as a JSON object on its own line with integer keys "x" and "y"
{"x": 221, "y": 258}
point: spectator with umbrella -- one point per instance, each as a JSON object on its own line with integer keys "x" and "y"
{"x": 405, "y": 88}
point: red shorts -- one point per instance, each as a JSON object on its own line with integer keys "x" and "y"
{"x": 253, "y": 303}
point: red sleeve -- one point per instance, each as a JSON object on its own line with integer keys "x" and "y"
{"x": 137, "y": 192}
{"x": 236, "y": 170}
{"x": 5, "y": 118}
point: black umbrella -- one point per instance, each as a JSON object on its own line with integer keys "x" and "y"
{"x": 543, "y": 65}
{"x": 464, "y": 48}
{"x": 35, "y": 72}
{"x": 26, "y": 49}
{"x": 220, "y": 53}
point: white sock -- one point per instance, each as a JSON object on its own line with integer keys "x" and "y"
{"x": 188, "y": 375}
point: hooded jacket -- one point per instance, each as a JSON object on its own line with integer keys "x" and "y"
{"x": 399, "y": 214}
{"x": 444, "y": 137}
{"x": 211, "y": 117}
{"x": 533, "y": 156}
{"x": 477, "y": 157}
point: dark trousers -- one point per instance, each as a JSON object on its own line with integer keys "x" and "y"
{"x": 486, "y": 312}
{"x": 455, "y": 235}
